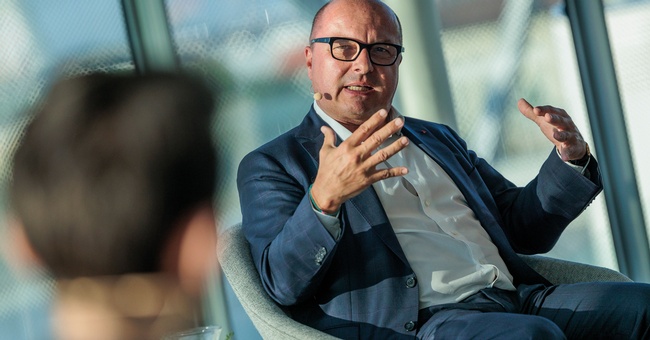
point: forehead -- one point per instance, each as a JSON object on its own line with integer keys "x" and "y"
{"x": 365, "y": 21}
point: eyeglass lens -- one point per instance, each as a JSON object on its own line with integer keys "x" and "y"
{"x": 347, "y": 50}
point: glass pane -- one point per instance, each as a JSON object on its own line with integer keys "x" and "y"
{"x": 497, "y": 53}
{"x": 40, "y": 39}
{"x": 628, "y": 25}
{"x": 253, "y": 51}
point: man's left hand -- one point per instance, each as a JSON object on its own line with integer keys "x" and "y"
{"x": 558, "y": 127}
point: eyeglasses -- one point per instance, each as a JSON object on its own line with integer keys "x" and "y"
{"x": 345, "y": 49}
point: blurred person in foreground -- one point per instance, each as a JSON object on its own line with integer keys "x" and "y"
{"x": 367, "y": 224}
{"x": 113, "y": 186}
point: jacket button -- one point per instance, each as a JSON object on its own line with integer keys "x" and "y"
{"x": 320, "y": 255}
{"x": 409, "y": 326}
{"x": 411, "y": 282}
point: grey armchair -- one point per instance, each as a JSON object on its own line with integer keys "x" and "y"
{"x": 272, "y": 323}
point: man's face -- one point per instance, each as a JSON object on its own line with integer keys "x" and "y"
{"x": 353, "y": 91}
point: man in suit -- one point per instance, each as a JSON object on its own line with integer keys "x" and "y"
{"x": 367, "y": 224}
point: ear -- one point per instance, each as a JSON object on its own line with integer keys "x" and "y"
{"x": 18, "y": 250}
{"x": 190, "y": 252}
{"x": 308, "y": 60}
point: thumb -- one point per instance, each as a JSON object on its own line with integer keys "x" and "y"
{"x": 329, "y": 135}
{"x": 526, "y": 109}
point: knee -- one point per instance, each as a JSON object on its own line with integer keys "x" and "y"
{"x": 537, "y": 328}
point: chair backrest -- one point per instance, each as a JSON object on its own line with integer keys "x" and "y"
{"x": 272, "y": 322}
{"x": 237, "y": 265}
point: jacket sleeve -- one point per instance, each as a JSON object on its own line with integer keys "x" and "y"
{"x": 290, "y": 246}
{"x": 534, "y": 216}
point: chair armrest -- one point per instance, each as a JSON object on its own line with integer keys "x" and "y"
{"x": 269, "y": 319}
{"x": 562, "y": 271}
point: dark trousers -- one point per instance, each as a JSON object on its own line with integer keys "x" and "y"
{"x": 595, "y": 310}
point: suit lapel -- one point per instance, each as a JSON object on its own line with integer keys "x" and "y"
{"x": 308, "y": 134}
{"x": 440, "y": 153}
{"x": 364, "y": 211}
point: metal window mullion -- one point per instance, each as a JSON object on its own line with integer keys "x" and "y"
{"x": 149, "y": 36}
{"x": 607, "y": 121}
{"x": 424, "y": 81}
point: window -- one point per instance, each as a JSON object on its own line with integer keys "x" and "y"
{"x": 254, "y": 53}
{"x": 40, "y": 39}
{"x": 497, "y": 53}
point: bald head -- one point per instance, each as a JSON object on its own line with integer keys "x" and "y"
{"x": 351, "y": 91}
{"x": 371, "y": 6}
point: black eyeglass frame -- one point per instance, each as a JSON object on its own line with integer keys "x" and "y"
{"x": 362, "y": 46}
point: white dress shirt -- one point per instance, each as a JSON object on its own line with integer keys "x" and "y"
{"x": 450, "y": 252}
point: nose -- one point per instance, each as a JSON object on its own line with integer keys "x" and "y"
{"x": 363, "y": 64}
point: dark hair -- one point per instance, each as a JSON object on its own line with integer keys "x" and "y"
{"x": 108, "y": 166}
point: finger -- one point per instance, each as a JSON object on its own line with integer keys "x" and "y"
{"x": 387, "y": 152}
{"x": 378, "y": 137}
{"x": 368, "y": 127}
{"x": 570, "y": 137}
{"x": 559, "y": 119}
{"x": 526, "y": 109}
{"x": 554, "y": 115}
{"x": 552, "y": 110}
{"x": 329, "y": 137}
{"x": 388, "y": 173}
{"x": 559, "y": 135}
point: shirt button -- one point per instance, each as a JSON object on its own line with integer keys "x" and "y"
{"x": 409, "y": 326}
{"x": 320, "y": 255}
{"x": 427, "y": 203}
{"x": 411, "y": 282}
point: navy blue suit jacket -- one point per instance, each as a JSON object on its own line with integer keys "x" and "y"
{"x": 361, "y": 285}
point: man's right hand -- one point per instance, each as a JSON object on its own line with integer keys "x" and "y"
{"x": 347, "y": 170}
